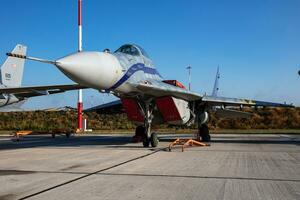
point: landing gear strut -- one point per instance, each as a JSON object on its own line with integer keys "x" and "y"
{"x": 149, "y": 138}
{"x": 203, "y": 131}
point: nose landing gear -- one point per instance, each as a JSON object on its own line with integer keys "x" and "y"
{"x": 153, "y": 140}
{"x": 149, "y": 138}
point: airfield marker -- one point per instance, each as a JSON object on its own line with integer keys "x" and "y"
{"x": 79, "y": 104}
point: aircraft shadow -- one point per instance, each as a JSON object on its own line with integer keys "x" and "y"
{"x": 235, "y": 140}
{"x": 62, "y": 141}
{"x": 124, "y": 142}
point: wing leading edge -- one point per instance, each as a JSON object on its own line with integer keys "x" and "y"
{"x": 225, "y": 101}
{"x": 158, "y": 88}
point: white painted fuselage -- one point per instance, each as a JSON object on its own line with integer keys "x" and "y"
{"x": 106, "y": 71}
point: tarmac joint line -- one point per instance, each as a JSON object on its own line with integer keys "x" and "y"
{"x": 93, "y": 173}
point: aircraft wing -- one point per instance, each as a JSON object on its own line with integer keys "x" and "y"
{"x": 32, "y": 91}
{"x": 151, "y": 88}
{"x": 159, "y": 89}
{"x": 225, "y": 101}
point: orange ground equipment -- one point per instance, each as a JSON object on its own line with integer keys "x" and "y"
{"x": 186, "y": 143}
{"x": 21, "y": 133}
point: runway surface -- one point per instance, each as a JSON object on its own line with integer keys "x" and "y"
{"x": 111, "y": 167}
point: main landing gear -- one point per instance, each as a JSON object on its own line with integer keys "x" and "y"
{"x": 145, "y": 130}
{"x": 204, "y": 133}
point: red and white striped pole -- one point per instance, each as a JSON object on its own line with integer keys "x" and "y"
{"x": 79, "y": 104}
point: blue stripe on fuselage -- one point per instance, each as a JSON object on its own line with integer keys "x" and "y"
{"x": 134, "y": 68}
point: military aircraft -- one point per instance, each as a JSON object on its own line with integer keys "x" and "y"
{"x": 12, "y": 94}
{"x": 129, "y": 74}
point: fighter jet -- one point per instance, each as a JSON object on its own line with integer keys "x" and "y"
{"x": 129, "y": 74}
{"x": 12, "y": 94}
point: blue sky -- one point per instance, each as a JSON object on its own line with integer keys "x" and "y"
{"x": 256, "y": 43}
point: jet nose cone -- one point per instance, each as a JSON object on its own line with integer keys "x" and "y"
{"x": 71, "y": 62}
{"x": 94, "y": 69}
{"x": 78, "y": 66}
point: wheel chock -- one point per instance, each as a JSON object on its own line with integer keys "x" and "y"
{"x": 186, "y": 143}
{"x": 21, "y": 133}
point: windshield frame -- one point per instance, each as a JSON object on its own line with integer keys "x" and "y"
{"x": 140, "y": 50}
{"x": 128, "y": 49}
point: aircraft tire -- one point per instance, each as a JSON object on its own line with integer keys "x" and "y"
{"x": 146, "y": 142}
{"x": 140, "y": 131}
{"x": 68, "y": 135}
{"x": 204, "y": 133}
{"x": 154, "y": 140}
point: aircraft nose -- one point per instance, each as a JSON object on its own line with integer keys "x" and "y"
{"x": 94, "y": 69}
{"x": 72, "y": 63}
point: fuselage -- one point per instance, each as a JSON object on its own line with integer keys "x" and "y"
{"x": 107, "y": 71}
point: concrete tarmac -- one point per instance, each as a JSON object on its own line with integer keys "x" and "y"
{"x": 111, "y": 167}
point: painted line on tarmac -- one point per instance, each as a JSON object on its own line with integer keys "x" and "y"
{"x": 93, "y": 173}
{"x": 202, "y": 177}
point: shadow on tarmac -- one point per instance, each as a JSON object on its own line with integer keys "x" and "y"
{"x": 241, "y": 140}
{"x": 62, "y": 141}
{"x": 117, "y": 141}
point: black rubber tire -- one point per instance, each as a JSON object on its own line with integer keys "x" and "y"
{"x": 204, "y": 133}
{"x": 68, "y": 135}
{"x": 146, "y": 142}
{"x": 140, "y": 131}
{"x": 154, "y": 140}
{"x": 53, "y": 135}
{"x": 205, "y": 138}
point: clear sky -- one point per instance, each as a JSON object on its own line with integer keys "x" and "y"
{"x": 256, "y": 43}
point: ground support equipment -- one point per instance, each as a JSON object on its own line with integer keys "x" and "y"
{"x": 186, "y": 143}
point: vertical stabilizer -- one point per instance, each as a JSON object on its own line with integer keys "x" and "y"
{"x": 12, "y": 69}
{"x": 216, "y": 85}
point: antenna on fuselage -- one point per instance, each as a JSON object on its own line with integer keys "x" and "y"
{"x": 190, "y": 78}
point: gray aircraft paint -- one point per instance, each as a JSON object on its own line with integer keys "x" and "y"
{"x": 126, "y": 73}
{"x": 11, "y": 91}
{"x": 12, "y": 69}
{"x": 12, "y": 74}
{"x": 216, "y": 85}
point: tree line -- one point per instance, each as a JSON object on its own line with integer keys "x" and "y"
{"x": 265, "y": 118}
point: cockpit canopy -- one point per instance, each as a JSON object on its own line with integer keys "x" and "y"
{"x": 133, "y": 50}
